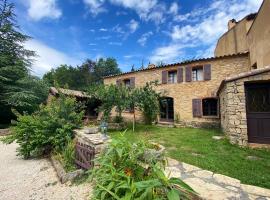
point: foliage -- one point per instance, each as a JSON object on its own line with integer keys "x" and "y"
{"x": 118, "y": 119}
{"x": 111, "y": 96}
{"x": 196, "y": 146}
{"x": 81, "y": 77}
{"x": 18, "y": 89}
{"x": 123, "y": 174}
{"x": 67, "y": 156}
{"x": 48, "y": 129}
{"x": 146, "y": 99}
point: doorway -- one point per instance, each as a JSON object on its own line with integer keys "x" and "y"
{"x": 166, "y": 109}
{"x": 258, "y": 112}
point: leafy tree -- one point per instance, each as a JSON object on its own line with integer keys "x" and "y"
{"x": 105, "y": 67}
{"x": 81, "y": 77}
{"x": 15, "y": 63}
{"x": 146, "y": 99}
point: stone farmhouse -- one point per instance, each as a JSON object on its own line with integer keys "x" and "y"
{"x": 230, "y": 90}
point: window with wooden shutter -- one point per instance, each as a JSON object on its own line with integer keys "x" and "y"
{"x": 197, "y": 107}
{"x": 207, "y": 72}
{"x": 132, "y": 82}
{"x": 188, "y": 74}
{"x": 180, "y": 75}
{"x": 164, "y": 77}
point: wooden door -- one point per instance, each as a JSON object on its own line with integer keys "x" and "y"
{"x": 258, "y": 112}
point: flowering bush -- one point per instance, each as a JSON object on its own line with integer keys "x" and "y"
{"x": 123, "y": 173}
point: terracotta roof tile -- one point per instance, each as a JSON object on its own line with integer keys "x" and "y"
{"x": 180, "y": 63}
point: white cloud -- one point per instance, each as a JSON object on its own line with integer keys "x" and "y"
{"x": 95, "y": 6}
{"x": 166, "y": 54}
{"x": 104, "y": 37}
{"x": 115, "y": 43}
{"x": 39, "y": 9}
{"x": 92, "y": 44}
{"x": 174, "y": 8}
{"x": 133, "y": 25}
{"x": 48, "y": 57}
{"x": 103, "y": 29}
{"x": 205, "y": 26}
{"x": 143, "y": 39}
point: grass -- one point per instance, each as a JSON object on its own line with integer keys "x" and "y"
{"x": 196, "y": 147}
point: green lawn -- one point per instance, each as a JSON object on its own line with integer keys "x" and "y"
{"x": 196, "y": 147}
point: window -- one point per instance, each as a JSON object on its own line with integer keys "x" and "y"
{"x": 126, "y": 82}
{"x": 197, "y": 74}
{"x": 172, "y": 76}
{"x": 210, "y": 107}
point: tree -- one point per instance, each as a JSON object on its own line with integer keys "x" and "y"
{"x": 83, "y": 76}
{"x": 105, "y": 67}
{"x": 15, "y": 62}
{"x": 146, "y": 99}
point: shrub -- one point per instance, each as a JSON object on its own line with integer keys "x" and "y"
{"x": 118, "y": 119}
{"x": 48, "y": 129}
{"x": 125, "y": 174}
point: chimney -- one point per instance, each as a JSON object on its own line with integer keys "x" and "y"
{"x": 231, "y": 23}
{"x": 151, "y": 66}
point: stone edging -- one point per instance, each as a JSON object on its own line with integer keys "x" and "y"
{"x": 4, "y": 132}
{"x": 62, "y": 174}
{"x": 214, "y": 186}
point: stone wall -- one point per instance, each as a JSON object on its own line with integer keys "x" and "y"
{"x": 184, "y": 92}
{"x": 233, "y": 108}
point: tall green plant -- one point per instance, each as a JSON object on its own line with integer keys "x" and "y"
{"x": 146, "y": 99}
{"x": 125, "y": 174}
{"x": 48, "y": 129}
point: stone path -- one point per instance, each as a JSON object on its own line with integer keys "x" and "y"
{"x": 33, "y": 179}
{"x": 215, "y": 186}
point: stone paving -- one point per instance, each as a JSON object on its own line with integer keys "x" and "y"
{"x": 214, "y": 186}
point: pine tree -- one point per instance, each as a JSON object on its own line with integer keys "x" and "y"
{"x": 15, "y": 62}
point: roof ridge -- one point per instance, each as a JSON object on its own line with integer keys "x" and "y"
{"x": 180, "y": 63}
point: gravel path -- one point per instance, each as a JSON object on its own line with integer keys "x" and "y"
{"x": 33, "y": 179}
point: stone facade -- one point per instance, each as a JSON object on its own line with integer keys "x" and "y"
{"x": 183, "y": 93}
{"x": 233, "y": 104}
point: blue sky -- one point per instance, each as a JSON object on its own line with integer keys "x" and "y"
{"x": 132, "y": 31}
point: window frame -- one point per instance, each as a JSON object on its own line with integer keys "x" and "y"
{"x": 124, "y": 82}
{"x": 175, "y": 76}
{"x": 210, "y": 116}
{"x": 196, "y": 68}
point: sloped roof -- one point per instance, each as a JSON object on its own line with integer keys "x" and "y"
{"x": 181, "y": 63}
{"x": 68, "y": 92}
{"x": 243, "y": 75}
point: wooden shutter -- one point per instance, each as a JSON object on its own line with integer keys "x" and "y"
{"x": 188, "y": 74}
{"x": 132, "y": 82}
{"x": 118, "y": 82}
{"x": 207, "y": 72}
{"x": 197, "y": 107}
{"x": 164, "y": 77}
{"x": 180, "y": 75}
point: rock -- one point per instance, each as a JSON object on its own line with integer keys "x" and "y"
{"x": 91, "y": 130}
{"x": 218, "y": 137}
{"x": 197, "y": 154}
{"x": 254, "y": 190}
{"x": 226, "y": 180}
{"x": 253, "y": 158}
{"x": 203, "y": 174}
{"x": 4, "y": 132}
